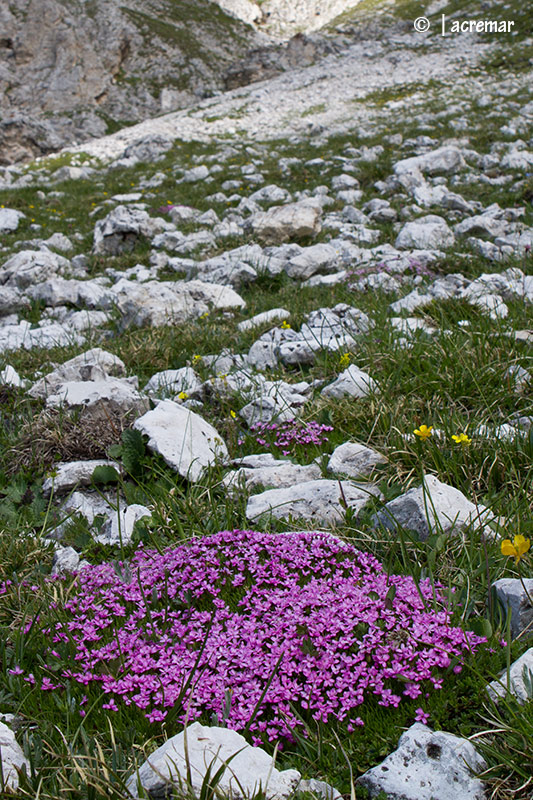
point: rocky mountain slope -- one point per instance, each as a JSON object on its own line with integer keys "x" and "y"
{"x": 73, "y": 70}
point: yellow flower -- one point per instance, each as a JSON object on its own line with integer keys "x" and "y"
{"x": 423, "y": 432}
{"x": 196, "y": 359}
{"x": 182, "y": 396}
{"x": 516, "y": 548}
{"x": 285, "y": 325}
{"x": 344, "y": 360}
{"x": 462, "y": 438}
{"x": 233, "y": 414}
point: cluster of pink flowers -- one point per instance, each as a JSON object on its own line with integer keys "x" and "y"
{"x": 208, "y": 626}
{"x": 286, "y": 436}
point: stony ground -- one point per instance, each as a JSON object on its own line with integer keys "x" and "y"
{"x": 301, "y": 308}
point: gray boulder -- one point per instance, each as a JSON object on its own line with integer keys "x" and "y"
{"x": 427, "y": 233}
{"x": 354, "y": 459}
{"x": 65, "y": 560}
{"x": 432, "y": 507}
{"x": 516, "y": 597}
{"x": 352, "y": 381}
{"x": 172, "y": 382}
{"x": 119, "y": 394}
{"x": 272, "y": 315}
{"x": 283, "y": 223}
{"x": 428, "y": 765}
{"x": 316, "y": 258}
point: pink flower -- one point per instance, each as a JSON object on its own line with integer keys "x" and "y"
{"x": 421, "y": 716}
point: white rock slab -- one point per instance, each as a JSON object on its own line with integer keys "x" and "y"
{"x": 354, "y": 459}
{"x": 183, "y": 438}
{"x": 432, "y": 507}
{"x": 68, "y": 474}
{"x": 521, "y": 670}
{"x": 13, "y": 758}
{"x": 352, "y": 381}
{"x": 121, "y": 393}
{"x": 428, "y": 765}
{"x": 319, "y": 501}
{"x": 250, "y": 769}
{"x": 272, "y": 315}
{"x": 94, "y": 364}
{"x": 274, "y": 477}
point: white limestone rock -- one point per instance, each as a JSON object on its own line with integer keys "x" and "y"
{"x": 57, "y": 291}
{"x": 295, "y": 353}
{"x": 159, "y": 303}
{"x": 95, "y": 364}
{"x": 118, "y": 528}
{"x": 428, "y": 765}
{"x": 11, "y": 299}
{"x": 272, "y": 315}
{"x": 69, "y": 474}
{"x": 276, "y": 476}
{"x": 352, "y": 381}
{"x": 10, "y": 377}
{"x": 320, "y": 501}
{"x": 9, "y": 219}
{"x": 47, "y": 336}
{"x": 521, "y": 672}
{"x": 447, "y": 159}
{"x": 317, "y": 258}
{"x": 517, "y": 600}
{"x": 172, "y": 382}
{"x": 13, "y": 759}
{"x": 426, "y": 233}
{"x": 283, "y": 223}
{"x": 432, "y": 507}
{"x": 183, "y": 438}
{"x": 118, "y": 393}
{"x": 119, "y": 231}
{"x": 250, "y": 769}
{"x": 65, "y": 560}
{"x": 33, "y": 266}
{"x": 354, "y": 459}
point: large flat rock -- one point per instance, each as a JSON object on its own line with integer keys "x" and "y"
{"x": 183, "y": 438}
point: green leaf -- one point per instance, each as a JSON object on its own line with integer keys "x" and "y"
{"x": 105, "y": 474}
{"x": 481, "y": 626}
{"x": 133, "y": 451}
